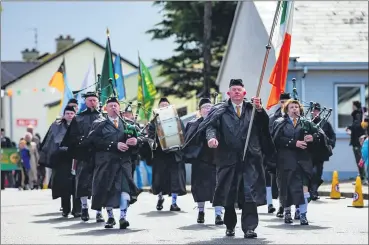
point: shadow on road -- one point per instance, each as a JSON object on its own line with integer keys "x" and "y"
{"x": 297, "y": 227}
{"x": 196, "y": 227}
{"x": 234, "y": 240}
{"x": 320, "y": 201}
{"x": 103, "y": 231}
{"x": 81, "y": 225}
{"x": 48, "y": 214}
{"x": 53, "y": 220}
{"x": 162, "y": 213}
{"x": 273, "y": 220}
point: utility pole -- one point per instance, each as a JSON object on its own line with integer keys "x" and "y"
{"x": 207, "y": 47}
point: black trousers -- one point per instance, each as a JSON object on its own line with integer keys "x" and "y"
{"x": 249, "y": 217}
{"x": 317, "y": 176}
{"x": 66, "y": 204}
{"x": 357, "y": 153}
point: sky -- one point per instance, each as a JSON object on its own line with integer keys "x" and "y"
{"x": 127, "y": 22}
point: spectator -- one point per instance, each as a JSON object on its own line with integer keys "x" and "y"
{"x": 26, "y": 165}
{"x": 365, "y": 155}
{"x": 5, "y": 143}
{"x": 34, "y": 157}
{"x": 355, "y": 131}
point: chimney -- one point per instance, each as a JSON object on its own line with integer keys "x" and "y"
{"x": 63, "y": 43}
{"x": 30, "y": 55}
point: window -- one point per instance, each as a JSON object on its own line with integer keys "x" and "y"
{"x": 345, "y": 95}
{"x": 182, "y": 111}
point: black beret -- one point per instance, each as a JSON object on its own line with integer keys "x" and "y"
{"x": 69, "y": 108}
{"x": 164, "y": 99}
{"x": 74, "y": 101}
{"x": 90, "y": 94}
{"x": 285, "y": 96}
{"x": 204, "y": 101}
{"x": 236, "y": 82}
{"x": 112, "y": 99}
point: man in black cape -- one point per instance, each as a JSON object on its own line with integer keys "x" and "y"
{"x": 168, "y": 170}
{"x": 77, "y": 131}
{"x": 203, "y": 171}
{"x": 55, "y": 157}
{"x": 239, "y": 181}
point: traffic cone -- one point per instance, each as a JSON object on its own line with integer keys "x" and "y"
{"x": 335, "y": 190}
{"x": 357, "y": 196}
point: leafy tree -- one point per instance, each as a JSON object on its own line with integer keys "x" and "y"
{"x": 184, "y": 21}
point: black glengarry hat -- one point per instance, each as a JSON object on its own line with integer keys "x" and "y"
{"x": 204, "y": 101}
{"x": 285, "y": 96}
{"x": 128, "y": 108}
{"x": 69, "y": 108}
{"x": 164, "y": 99}
{"x": 74, "y": 101}
{"x": 236, "y": 82}
{"x": 317, "y": 107}
{"x": 112, "y": 99}
{"x": 90, "y": 94}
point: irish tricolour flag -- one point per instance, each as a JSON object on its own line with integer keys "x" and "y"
{"x": 278, "y": 76}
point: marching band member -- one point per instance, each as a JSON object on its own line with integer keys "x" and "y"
{"x": 271, "y": 176}
{"x": 55, "y": 157}
{"x": 128, "y": 115}
{"x": 168, "y": 172}
{"x": 239, "y": 181}
{"x": 203, "y": 173}
{"x": 77, "y": 131}
{"x": 294, "y": 138}
{"x": 112, "y": 186}
{"x": 318, "y": 159}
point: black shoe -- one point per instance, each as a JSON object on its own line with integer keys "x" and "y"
{"x": 174, "y": 207}
{"x": 315, "y": 197}
{"x": 230, "y": 232}
{"x": 219, "y": 220}
{"x": 65, "y": 215}
{"x": 297, "y": 215}
{"x": 85, "y": 216}
{"x": 288, "y": 218}
{"x": 303, "y": 219}
{"x": 99, "y": 218}
{"x": 159, "y": 205}
{"x": 201, "y": 217}
{"x": 110, "y": 223}
{"x": 280, "y": 212}
{"x": 250, "y": 234}
{"x": 123, "y": 224}
{"x": 271, "y": 209}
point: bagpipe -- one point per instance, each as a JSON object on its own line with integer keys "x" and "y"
{"x": 323, "y": 149}
{"x": 324, "y": 113}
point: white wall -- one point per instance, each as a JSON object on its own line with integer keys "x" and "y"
{"x": 31, "y": 104}
{"x": 246, "y": 50}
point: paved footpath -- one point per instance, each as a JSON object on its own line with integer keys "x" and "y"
{"x": 29, "y": 217}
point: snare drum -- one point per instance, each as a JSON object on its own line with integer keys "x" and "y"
{"x": 169, "y": 128}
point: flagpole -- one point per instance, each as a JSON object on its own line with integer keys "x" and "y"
{"x": 142, "y": 84}
{"x": 268, "y": 47}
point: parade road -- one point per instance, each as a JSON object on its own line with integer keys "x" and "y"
{"x": 29, "y": 217}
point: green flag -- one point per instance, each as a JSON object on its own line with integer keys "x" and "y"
{"x": 106, "y": 73}
{"x": 146, "y": 91}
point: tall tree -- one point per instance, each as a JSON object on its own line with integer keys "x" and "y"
{"x": 184, "y": 21}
